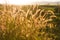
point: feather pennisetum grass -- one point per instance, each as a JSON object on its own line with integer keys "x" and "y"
{"x": 26, "y": 25}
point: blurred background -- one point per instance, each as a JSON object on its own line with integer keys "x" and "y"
{"x": 25, "y": 2}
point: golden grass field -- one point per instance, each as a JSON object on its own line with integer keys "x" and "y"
{"x": 29, "y": 22}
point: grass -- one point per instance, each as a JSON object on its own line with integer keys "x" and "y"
{"x": 32, "y": 23}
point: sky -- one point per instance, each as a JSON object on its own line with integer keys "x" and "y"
{"x": 19, "y": 2}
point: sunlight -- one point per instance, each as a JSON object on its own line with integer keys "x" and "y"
{"x": 18, "y": 2}
{"x": 21, "y": 2}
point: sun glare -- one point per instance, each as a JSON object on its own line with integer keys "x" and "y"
{"x": 18, "y": 2}
{"x": 21, "y": 2}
